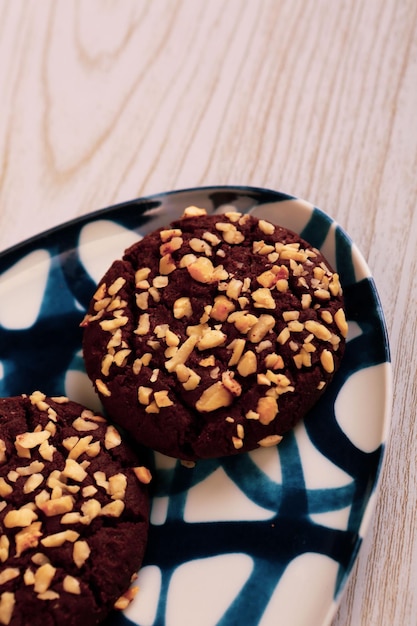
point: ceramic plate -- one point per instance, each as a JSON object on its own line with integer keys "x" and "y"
{"x": 264, "y": 538}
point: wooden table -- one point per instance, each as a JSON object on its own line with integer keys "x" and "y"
{"x": 102, "y": 102}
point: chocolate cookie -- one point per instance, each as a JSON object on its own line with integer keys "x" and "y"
{"x": 73, "y": 514}
{"x": 215, "y": 335}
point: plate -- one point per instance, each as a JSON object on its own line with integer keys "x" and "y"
{"x": 242, "y": 538}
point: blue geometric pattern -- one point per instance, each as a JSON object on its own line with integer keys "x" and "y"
{"x": 303, "y": 511}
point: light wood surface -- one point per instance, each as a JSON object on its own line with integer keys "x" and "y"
{"x": 102, "y": 101}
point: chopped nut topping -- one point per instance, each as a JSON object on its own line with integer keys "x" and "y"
{"x": 266, "y": 227}
{"x": 247, "y": 364}
{"x": 193, "y": 211}
{"x": 187, "y": 260}
{"x": 71, "y": 585}
{"x": 7, "y": 602}
{"x": 57, "y": 506}
{"x": 211, "y": 339}
{"x": 269, "y": 441}
{"x": 113, "y": 509}
{"x": 3, "y": 457}
{"x": 123, "y": 602}
{"x": 5, "y": 488}
{"x": 43, "y": 577}
{"x": 182, "y": 308}
{"x": 105, "y": 391}
{"x": 221, "y": 308}
{"x": 237, "y": 345}
{"x": 8, "y": 574}
{"x": 116, "y": 286}
{"x": 112, "y": 438}
{"x": 214, "y": 397}
{"x": 171, "y": 246}
{"x": 182, "y": 354}
{"x": 230, "y": 233}
{"x": 144, "y": 394}
{"x": 264, "y": 324}
{"x": 19, "y": 518}
{"x": 319, "y": 330}
{"x": 32, "y": 439}
{"x": 79, "y": 447}
{"x": 169, "y": 233}
{"x": 267, "y": 408}
{"x": 29, "y": 577}
{"x": 166, "y": 265}
{"x": 4, "y": 548}
{"x": 326, "y": 359}
{"x": 74, "y": 470}
{"x": 231, "y": 384}
{"x": 81, "y": 552}
{"x": 162, "y": 399}
{"x": 237, "y": 442}
{"x": 143, "y": 474}
{"x": 58, "y": 539}
{"x": 340, "y": 319}
{"x": 263, "y": 299}
{"x": 200, "y": 246}
{"x": 32, "y": 483}
{"x": 202, "y": 270}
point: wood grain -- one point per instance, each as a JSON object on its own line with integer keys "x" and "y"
{"x": 104, "y": 101}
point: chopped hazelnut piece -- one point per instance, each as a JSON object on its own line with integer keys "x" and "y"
{"x": 267, "y": 408}
{"x": 57, "y": 506}
{"x": 222, "y": 307}
{"x": 123, "y": 602}
{"x": 74, "y": 471}
{"x": 326, "y": 359}
{"x": 58, "y": 539}
{"x": 5, "y": 488}
{"x": 112, "y": 438}
{"x": 269, "y": 441}
{"x": 263, "y": 299}
{"x": 2, "y": 451}
{"x": 80, "y": 553}
{"x": 237, "y": 442}
{"x": 231, "y": 384}
{"x": 8, "y": 574}
{"x": 143, "y": 474}
{"x": 166, "y": 265}
{"x": 193, "y": 211}
{"x": 340, "y": 319}
{"x": 162, "y": 399}
{"x": 266, "y": 227}
{"x": 43, "y": 577}
{"x": 214, "y": 397}
{"x": 19, "y": 518}
{"x": 28, "y": 537}
{"x": 32, "y": 483}
{"x": 264, "y": 324}
{"x": 7, "y": 602}
{"x": 202, "y": 270}
{"x": 247, "y": 364}
{"x": 32, "y": 439}
{"x": 113, "y": 509}
{"x": 319, "y": 330}
{"x": 71, "y": 585}
{"x": 4, "y": 548}
{"x": 182, "y": 308}
{"x": 211, "y": 339}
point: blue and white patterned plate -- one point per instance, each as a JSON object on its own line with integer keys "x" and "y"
{"x": 264, "y": 538}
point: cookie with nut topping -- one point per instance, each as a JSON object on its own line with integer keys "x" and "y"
{"x": 73, "y": 513}
{"x": 215, "y": 335}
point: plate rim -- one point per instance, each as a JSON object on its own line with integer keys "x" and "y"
{"x": 273, "y": 196}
